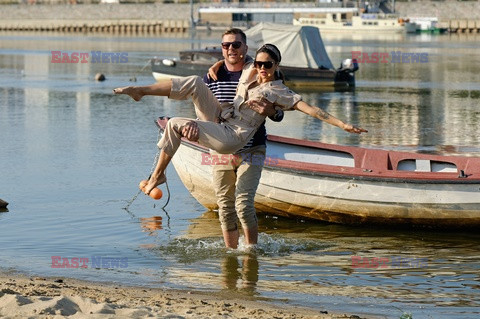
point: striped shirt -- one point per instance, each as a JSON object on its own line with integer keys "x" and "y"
{"x": 225, "y": 90}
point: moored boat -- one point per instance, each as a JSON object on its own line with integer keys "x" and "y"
{"x": 349, "y": 185}
{"x": 305, "y": 62}
{"x": 367, "y": 22}
{"x": 424, "y": 24}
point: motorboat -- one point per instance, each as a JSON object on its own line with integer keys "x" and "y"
{"x": 305, "y": 62}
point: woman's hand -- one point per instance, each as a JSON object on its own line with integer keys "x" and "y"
{"x": 354, "y": 129}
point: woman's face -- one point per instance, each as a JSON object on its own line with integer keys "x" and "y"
{"x": 265, "y": 66}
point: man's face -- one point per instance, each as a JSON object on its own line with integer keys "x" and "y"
{"x": 233, "y": 55}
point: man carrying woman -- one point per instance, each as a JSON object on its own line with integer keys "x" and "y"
{"x": 223, "y": 127}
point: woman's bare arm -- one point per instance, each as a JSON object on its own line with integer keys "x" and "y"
{"x": 320, "y": 114}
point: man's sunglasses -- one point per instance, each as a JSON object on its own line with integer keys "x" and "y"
{"x": 266, "y": 64}
{"x": 235, "y": 45}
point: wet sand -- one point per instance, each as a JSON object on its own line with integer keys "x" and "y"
{"x": 41, "y": 297}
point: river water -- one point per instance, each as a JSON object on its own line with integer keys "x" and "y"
{"x": 72, "y": 155}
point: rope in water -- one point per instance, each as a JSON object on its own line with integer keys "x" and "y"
{"x": 157, "y": 156}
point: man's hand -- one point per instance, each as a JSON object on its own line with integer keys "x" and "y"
{"x": 262, "y": 107}
{"x": 190, "y": 131}
{"x": 213, "y": 70}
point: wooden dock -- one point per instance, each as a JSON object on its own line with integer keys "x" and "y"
{"x": 97, "y": 26}
{"x": 460, "y": 26}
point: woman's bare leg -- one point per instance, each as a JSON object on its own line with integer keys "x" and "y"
{"x": 162, "y": 88}
{"x": 158, "y": 176}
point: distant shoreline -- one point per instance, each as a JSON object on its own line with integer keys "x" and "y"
{"x": 182, "y": 11}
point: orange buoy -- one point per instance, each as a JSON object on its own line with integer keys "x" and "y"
{"x": 156, "y": 193}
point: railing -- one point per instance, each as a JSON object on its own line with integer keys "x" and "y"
{"x": 277, "y": 4}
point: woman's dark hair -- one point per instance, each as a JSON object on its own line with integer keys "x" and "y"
{"x": 275, "y": 54}
{"x": 271, "y": 50}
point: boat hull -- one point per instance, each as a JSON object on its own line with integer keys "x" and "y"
{"x": 293, "y": 189}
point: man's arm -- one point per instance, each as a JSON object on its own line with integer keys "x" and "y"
{"x": 278, "y": 116}
{"x": 213, "y": 70}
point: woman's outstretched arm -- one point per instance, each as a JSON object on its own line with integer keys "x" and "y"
{"x": 320, "y": 114}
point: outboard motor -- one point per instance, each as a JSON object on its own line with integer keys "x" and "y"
{"x": 345, "y": 73}
{"x": 349, "y": 64}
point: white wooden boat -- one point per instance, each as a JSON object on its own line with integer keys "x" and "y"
{"x": 350, "y": 185}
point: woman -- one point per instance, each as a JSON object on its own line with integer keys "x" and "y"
{"x": 227, "y": 128}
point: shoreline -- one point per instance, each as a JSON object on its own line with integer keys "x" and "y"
{"x": 159, "y": 18}
{"x": 41, "y": 297}
{"x": 444, "y": 11}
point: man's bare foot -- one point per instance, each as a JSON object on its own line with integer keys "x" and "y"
{"x": 152, "y": 183}
{"x": 131, "y": 91}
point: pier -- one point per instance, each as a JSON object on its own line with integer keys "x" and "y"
{"x": 124, "y": 26}
{"x": 460, "y": 25}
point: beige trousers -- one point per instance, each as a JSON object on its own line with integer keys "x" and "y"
{"x": 221, "y": 137}
{"x": 235, "y": 185}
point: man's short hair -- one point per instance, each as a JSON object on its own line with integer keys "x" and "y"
{"x": 236, "y": 31}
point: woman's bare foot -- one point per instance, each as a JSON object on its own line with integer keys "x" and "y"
{"x": 133, "y": 92}
{"x": 152, "y": 183}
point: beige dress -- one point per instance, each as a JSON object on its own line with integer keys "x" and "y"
{"x": 238, "y": 122}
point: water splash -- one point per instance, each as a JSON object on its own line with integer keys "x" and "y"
{"x": 276, "y": 245}
{"x": 188, "y": 250}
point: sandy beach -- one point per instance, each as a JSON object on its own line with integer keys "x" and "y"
{"x": 41, "y": 297}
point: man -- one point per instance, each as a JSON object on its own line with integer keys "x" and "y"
{"x": 236, "y": 183}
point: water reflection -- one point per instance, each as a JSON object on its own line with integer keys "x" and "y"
{"x": 240, "y": 278}
{"x": 320, "y": 269}
{"x": 151, "y": 225}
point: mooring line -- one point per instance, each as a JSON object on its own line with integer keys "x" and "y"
{"x": 157, "y": 156}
